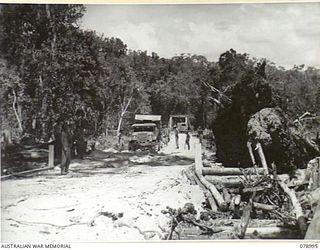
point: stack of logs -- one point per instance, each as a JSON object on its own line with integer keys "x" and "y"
{"x": 251, "y": 194}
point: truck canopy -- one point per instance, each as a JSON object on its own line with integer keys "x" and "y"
{"x": 155, "y": 118}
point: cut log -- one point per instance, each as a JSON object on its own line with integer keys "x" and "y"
{"x": 190, "y": 177}
{"x": 194, "y": 233}
{"x": 206, "y": 164}
{"x": 272, "y": 233}
{"x": 264, "y": 207}
{"x": 314, "y": 172}
{"x": 210, "y": 164}
{"x": 227, "y": 181}
{"x": 213, "y": 190}
{"x": 313, "y": 232}
{"x": 207, "y": 194}
{"x": 297, "y": 209}
{"x": 230, "y": 171}
{"x": 246, "y": 216}
{"x": 253, "y": 223}
{"x": 211, "y": 201}
{"x": 226, "y": 195}
{"x": 257, "y": 228}
{"x": 256, "y": 189}
{"x": 235, "y": 206}
{"x": 237, "y": 200}
{"x": 5, "y": 177}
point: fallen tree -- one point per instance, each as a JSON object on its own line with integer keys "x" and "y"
{"x": 251, "y": 117}
{"x": 248, "y": 96}
{"x": 281, "y": 143}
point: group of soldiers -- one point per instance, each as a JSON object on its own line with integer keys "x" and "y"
{"x": 164, "y": 137}
{"x": 187, "y": 140}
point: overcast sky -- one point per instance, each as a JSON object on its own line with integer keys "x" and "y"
{"x": 286, "y": 34}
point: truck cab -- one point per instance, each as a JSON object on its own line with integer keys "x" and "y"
{"x": 143, "y": 136}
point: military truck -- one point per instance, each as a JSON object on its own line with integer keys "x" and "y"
{"x": 145, "y": 133}
{"x": 181, "y": 122}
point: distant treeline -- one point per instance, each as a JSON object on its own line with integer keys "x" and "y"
{"x": 53, "y": 71}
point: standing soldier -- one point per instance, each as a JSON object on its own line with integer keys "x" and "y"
{"x": 188, "y": 140}
{"x": 176, "y": 133}
{"x": 66, "y": 149}
{"x": 166, "y": 135}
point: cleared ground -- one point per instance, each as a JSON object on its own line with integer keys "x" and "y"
{"x": 108, "y": 196}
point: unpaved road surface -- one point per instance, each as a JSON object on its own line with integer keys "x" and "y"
{"x": 77, "y": 207}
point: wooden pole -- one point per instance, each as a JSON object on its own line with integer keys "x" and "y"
{"x": 262, "y": 158}
{"x": 213, "y": 190}
{"x": 249, "y": 145}
{"x": 51, "y": 156}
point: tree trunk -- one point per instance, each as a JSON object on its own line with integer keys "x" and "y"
{"x": 54, "y": 35}
{"x": 119, "y": 123}
{"x": 124, "y": 110}
{"x": 44, "y": 104}
{"x": 15, "y": 102}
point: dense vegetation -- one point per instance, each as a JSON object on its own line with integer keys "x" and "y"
{"x": 51, "y": 70}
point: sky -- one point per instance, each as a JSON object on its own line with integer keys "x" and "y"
{"x": 286, "y": 34}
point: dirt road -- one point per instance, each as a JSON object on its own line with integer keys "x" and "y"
{"x": 106, "y": 197}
